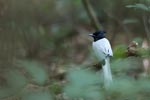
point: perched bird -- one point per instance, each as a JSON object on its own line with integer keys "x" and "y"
{"x": 103, "y": 51}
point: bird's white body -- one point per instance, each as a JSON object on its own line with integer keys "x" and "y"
{"x": 102, "y": 48}
{"x": 103, "y": 51}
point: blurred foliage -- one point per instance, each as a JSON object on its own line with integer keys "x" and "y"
{"x": 83, "y": 84}
{"x": 130, "y": 21}
{"x": 39, "y": 38}
{"x": 131, "y": 67}
{"x": 119, "y": 51}
{"x": 36, "y": 71}
{"x": 126, "y": 88}
{"x": 144, "y": 52}
{"x": 13, "y": 84}
{"x": 37, "y": 95}
{"x": 56, "y": 88}
{"x": 139, "y": 6}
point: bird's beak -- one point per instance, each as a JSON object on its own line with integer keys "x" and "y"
{"x": 91, "y": 35}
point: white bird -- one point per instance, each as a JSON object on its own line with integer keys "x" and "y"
{"x": 103, "y": 51}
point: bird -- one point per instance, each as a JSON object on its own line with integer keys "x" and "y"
{"x": 103, "y": 51}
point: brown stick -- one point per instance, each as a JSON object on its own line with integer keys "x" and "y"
{"x": 92, "y": 15}
{"x": 147, "y": 31}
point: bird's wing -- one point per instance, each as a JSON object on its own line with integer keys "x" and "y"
{"x": 107, "y": 47}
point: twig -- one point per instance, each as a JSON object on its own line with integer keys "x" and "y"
{"x": 147, "y": 31}
{"x": 92, "y": 15}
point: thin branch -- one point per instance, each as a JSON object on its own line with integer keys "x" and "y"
{"x": 147, "y": 31}
{"x": 92, "y": 15}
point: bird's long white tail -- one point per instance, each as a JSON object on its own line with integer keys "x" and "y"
{"x": 107, "y": 73}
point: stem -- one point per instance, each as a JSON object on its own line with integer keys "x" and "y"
{"x": 147, "y": 31}
{"x": 92, "y": 15}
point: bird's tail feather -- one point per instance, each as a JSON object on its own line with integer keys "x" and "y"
{"x": 107, "y": 73}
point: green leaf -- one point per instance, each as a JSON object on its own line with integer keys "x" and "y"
{"x": 119, "y": 51}
{"x": 36, "y": 71}
{"x": 15, "y": 83}
{"x": 142, "y": 6}
{"x": 120, "y": 66}
{"x": 55, "y": 88}
{"x": 83, "y": 83}
{"x": 130, "y": 6}
{"x": 123, "y": 88}
{"x": 37, "y": 95}
{"x": 130, "y": 21}
{"x": 139, "y": 6}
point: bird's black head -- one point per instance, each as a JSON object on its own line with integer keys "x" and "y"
{"x": 98, "y": 35}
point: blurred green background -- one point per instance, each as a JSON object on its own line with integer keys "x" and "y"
{"x": 46, "y": 53}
